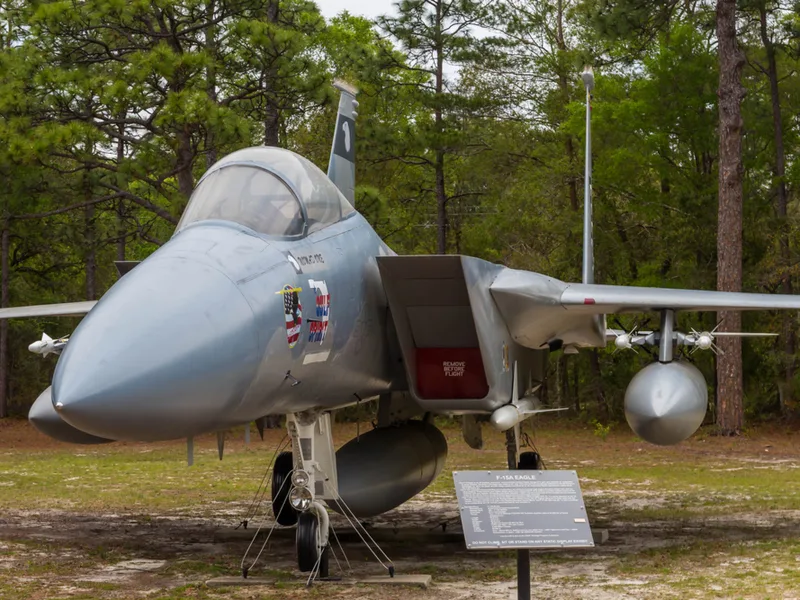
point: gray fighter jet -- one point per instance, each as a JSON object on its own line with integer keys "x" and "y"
{"x": 275, "y": 296}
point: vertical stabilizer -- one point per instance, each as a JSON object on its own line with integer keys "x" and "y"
{"x": 588, "y": 233}
{"x": 342, "y": 166}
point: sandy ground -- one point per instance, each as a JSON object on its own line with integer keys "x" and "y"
{"x": 749, "y": 551}
{"x": 133, "y": 556}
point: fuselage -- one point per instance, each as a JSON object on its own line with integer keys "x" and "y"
{"x": 223, "y": 325}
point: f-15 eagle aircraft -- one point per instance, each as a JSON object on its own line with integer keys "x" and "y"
{"x": 276, "y": 297}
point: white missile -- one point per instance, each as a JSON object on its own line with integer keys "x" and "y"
{"x": 704, "y": 341}
{"x": 48, "y": 345}
{"x": 623, "y": 342}
{"x": 508, "y": 416}
{"x": 43, "y": 346}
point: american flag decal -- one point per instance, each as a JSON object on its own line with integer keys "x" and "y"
{"x": 293, "y": 313}
{"x": 319, "y": 323}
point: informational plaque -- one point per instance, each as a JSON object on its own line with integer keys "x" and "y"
{"x": 522, "y": 509}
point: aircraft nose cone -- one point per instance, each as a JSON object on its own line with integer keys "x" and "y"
{"x": 166, "y": 353}
{"x": 46, "y": 420}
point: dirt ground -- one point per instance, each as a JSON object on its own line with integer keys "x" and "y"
{"x": 711, "y": 518}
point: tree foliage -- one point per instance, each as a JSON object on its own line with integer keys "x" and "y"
{"x": 470, "y": 140}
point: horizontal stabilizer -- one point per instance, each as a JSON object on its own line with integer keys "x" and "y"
{"x": 69, "y": 309}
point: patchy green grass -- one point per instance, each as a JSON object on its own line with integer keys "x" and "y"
{"x": 710, "y": 518}
{"x": 129, "y": 477}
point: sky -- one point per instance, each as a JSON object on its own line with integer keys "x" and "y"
{"x": 366, "y": 8}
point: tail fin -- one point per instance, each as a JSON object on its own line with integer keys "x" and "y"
{"x": 588, "y": 226}
{"x": 342, "y": 166}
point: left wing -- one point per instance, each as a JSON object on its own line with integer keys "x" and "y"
{"x": 68, "y": 309}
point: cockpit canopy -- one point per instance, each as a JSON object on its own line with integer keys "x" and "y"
{"x": 270, "y": 190}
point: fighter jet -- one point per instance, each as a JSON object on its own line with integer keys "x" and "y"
{"x": 276, "y": 297}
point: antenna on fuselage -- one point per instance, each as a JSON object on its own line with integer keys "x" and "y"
{"x": 342, "y": 165}
{"x": 588, "y": 234}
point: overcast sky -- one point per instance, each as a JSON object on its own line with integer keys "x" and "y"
{"x": 366, "y": 8}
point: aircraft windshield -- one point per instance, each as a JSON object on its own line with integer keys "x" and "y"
{"x": 247, "y": 195}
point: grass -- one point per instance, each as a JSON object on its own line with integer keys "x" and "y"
{"x": 710, "y": 518}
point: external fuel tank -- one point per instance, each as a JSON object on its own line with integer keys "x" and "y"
{"x": 385, "y": 467}
{"x": 665, "y": 403}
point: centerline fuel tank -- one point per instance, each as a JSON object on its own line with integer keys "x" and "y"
{"x": 385, "y": 467}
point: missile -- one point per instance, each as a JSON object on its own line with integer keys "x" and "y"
{"x": 623, "y": 342}
{"x": 48, "y": 345}
{"x": 509, "y": 415}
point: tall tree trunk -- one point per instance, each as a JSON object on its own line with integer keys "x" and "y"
{"x": 91, "y": 251}
{"x": 89, "y": 239}
{"x": 441, "y": 205}
{"x": 185, "y": 158}
{"x": 779, "y": 182}
{"x": 272, "y": 122}
{"x": 211, "y": 77}
{"x": 594, "y": 363}
{"x": 576, "y": 385}
{"x": 122, "y": 233}
{"x": 272, "y": 115}
{"x": 562, "y": 376}
{"x": 563, "y": 84}
{"x": 730, "y": 409}
{"x": 5, "y": 366}
{"x": 441, "y": 196}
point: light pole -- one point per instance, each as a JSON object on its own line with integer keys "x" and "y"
{"x": 588, "y": 243}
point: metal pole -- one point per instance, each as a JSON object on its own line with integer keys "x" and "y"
{"x": 523, "y": 556}
{"x": 523, "y": 575}
{"x": 588, "y": 242}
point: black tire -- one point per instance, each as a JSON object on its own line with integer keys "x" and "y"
{"x": 529, "y": 461}
{"x": 306, "y": 542}
{"x": 284, "y": 514}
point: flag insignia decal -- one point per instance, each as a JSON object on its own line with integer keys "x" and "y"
{"x": 318, "y": 323}
{"x": 293, "y": 313}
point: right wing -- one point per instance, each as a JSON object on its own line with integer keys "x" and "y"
{"x": 68, "y": 309}
{"x": 538, "y": 309}
{"x": 607, "y": 299}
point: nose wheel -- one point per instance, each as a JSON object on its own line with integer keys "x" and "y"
{"x": 529, "y": 460}
{"x": 281, "y": 485}
{"x": 312, "y": 543}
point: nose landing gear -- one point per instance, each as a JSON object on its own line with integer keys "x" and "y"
{"x": 307, "y": 475}
{"x": 312, "y": 541}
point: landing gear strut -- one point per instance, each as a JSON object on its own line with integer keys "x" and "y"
{"x": 312, "y": 477}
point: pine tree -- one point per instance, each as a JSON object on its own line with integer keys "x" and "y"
{"x": 730, "y": 401}
{"x": 436, "y": 34}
